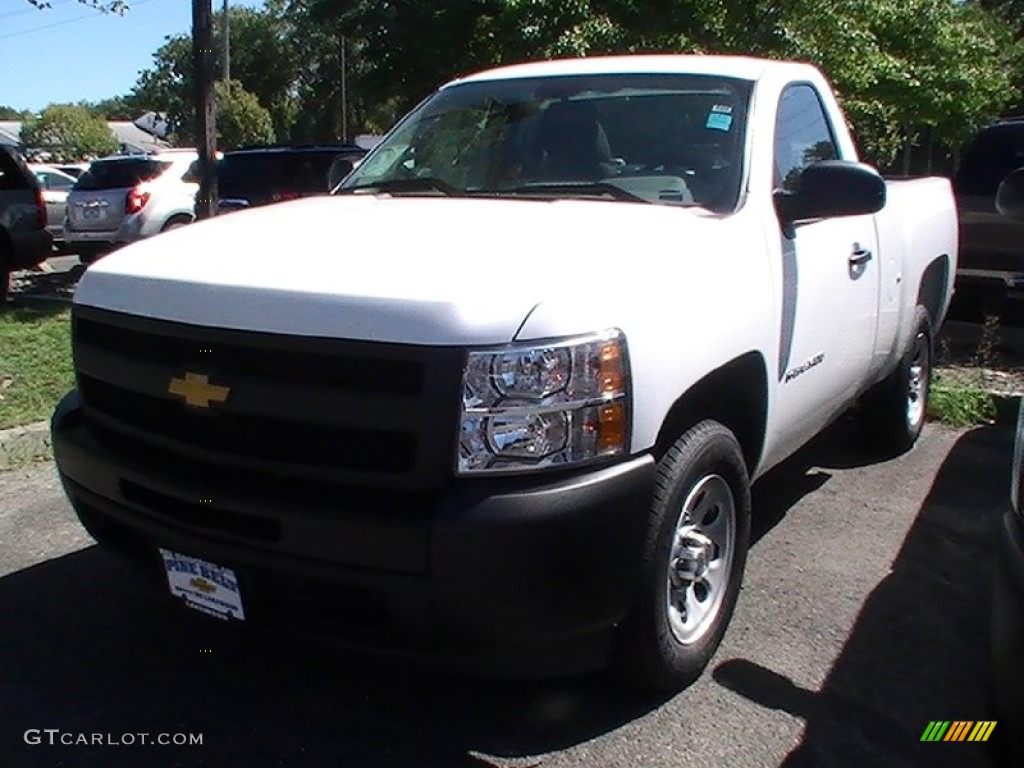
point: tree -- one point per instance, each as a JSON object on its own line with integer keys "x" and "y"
{"x": 10, "y": 113}
{"x": 69, "y": 133}
{"x": 114, "y": 108}
{"x": 241, "y": 119}
{"x": 898, "y": 66}
{"x": 262, "y": 60}
{"x": 104, "y": 6}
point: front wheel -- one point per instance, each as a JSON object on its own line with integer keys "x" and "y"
{"x": 695, "y": 553}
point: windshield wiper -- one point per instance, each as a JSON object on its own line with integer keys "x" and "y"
{"x": 576, "y": 187}
{"x": 410, "y": 185}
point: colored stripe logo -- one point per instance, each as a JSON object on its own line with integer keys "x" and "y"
{"x": 958, "y": 730}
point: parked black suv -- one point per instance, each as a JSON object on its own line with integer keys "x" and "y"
{"x": 1007, "y": 673}
{"x": 24, "y": 241}
{"x": 261, "y": 175}
{"x": 991, "y": 244}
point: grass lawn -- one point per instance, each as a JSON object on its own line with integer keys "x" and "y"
{"x": 35, "y": 363}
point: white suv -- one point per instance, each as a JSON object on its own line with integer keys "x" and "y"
{"x": 123, "y": 199}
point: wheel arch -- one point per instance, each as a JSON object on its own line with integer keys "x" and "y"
{"x": 933, "y": 290}
{"x": 736, "y": 395}
{"x": 176, "y": 217}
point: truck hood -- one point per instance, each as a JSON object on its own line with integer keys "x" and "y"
{"x": 412, "y": 270}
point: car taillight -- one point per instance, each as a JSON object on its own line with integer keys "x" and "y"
{"x": 136, "y": 200}
{"x": 284, "y": 194}
{"x": 40, "y": 210}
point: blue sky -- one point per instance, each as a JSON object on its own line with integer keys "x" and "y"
{"x": 70, "y": 52}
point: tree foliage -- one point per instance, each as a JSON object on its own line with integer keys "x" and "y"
{"x": 900, "y": 67}
{"x": 10, "y": 113}
{"x": 241, "y": 119}
{"x": 105, "y": 6}
{"x": 261, "y": 61}
{"x": 69, "y": 133}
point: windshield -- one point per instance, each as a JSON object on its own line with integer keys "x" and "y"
{"x": 668, "y": 139}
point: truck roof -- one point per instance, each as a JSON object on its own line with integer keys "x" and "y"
{"x": 741, "y": 67}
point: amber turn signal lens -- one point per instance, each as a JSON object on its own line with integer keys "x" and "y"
{"x": 611, "y": 433}
{"x": 611, "y": 375}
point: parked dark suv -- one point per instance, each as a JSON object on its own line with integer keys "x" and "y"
{"x": 1007, "y": 673}
{"x": 24, "y": 241}
{"x": 991, "y": 244}
{"x": 261, "y": 175}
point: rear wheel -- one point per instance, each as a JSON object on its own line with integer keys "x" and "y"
{"x": 5, "y": 278}
{"x": 892, "y": 413}
{"x": 175, "y": 222}
{"x": 694, "y": 557}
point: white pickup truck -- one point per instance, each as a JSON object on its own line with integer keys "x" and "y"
{"x": 501, "y": 397}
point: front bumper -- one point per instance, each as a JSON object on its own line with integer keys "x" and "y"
{"x": 1008, "y": 625}
{"x": 517, "y": 575}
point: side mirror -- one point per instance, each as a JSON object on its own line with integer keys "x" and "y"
{"x": 339, "y": 169}
{"x": 831, "y": 188}
{"x": 1010, "y": 195}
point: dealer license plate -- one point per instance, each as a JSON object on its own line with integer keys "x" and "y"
{"x": 204, "y": 586}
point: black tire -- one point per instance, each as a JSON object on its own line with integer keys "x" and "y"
{"x": 175, "y": 222}
{"x": 652, "y": 651}
{"x": 5, "y": 278}
{"x": 88, "y": 254}
{"x": 888, "y": 418}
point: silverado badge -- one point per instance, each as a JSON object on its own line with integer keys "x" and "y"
{"x": 197, "y": 390}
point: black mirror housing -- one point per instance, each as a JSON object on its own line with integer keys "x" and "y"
{"x": 832, "y": 188}
{"x": 1010, "y": 195}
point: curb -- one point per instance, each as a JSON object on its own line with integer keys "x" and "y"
{"x": 20, "y": 445}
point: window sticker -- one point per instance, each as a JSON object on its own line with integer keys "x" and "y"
{"x": 725, "y": 109}
{"x": 718, "y": 121}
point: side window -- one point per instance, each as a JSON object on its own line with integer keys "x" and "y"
{"x": 802, "y": 134}
{"x": 61, "y": 183}
{"x": 11, "y": 176}
{"x": 993, "y": 155}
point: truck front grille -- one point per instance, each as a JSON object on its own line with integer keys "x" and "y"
{"x": 367, "y": 413}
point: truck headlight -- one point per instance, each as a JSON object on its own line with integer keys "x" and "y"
{"x": 539, "y": 405}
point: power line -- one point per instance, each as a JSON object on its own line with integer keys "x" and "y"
{"x": 92, "y": 15}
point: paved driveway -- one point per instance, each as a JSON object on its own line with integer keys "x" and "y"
{"x": 863, "y": 617}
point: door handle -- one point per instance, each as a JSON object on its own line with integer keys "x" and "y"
{"x": 859, "y": 256}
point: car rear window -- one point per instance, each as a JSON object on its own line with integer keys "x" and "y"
{"x": 11, "y": 176}
{"x": 117, "y": 174}
{"x": 297, "y": 172}
{"x": 991, "y": 157}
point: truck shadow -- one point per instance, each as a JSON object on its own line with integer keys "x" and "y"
{"x": 85, "y": 648}
{"x": 918, "y": 651}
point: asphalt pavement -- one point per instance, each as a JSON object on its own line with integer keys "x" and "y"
{"x": 864, "y": 616}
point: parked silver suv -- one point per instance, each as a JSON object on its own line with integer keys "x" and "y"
{"x": 123, "y": 199}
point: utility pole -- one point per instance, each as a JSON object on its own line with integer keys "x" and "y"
{"x": 226, "y": 32}
{"x": 344, "y": 92}
{"x": 206, "y": 126}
